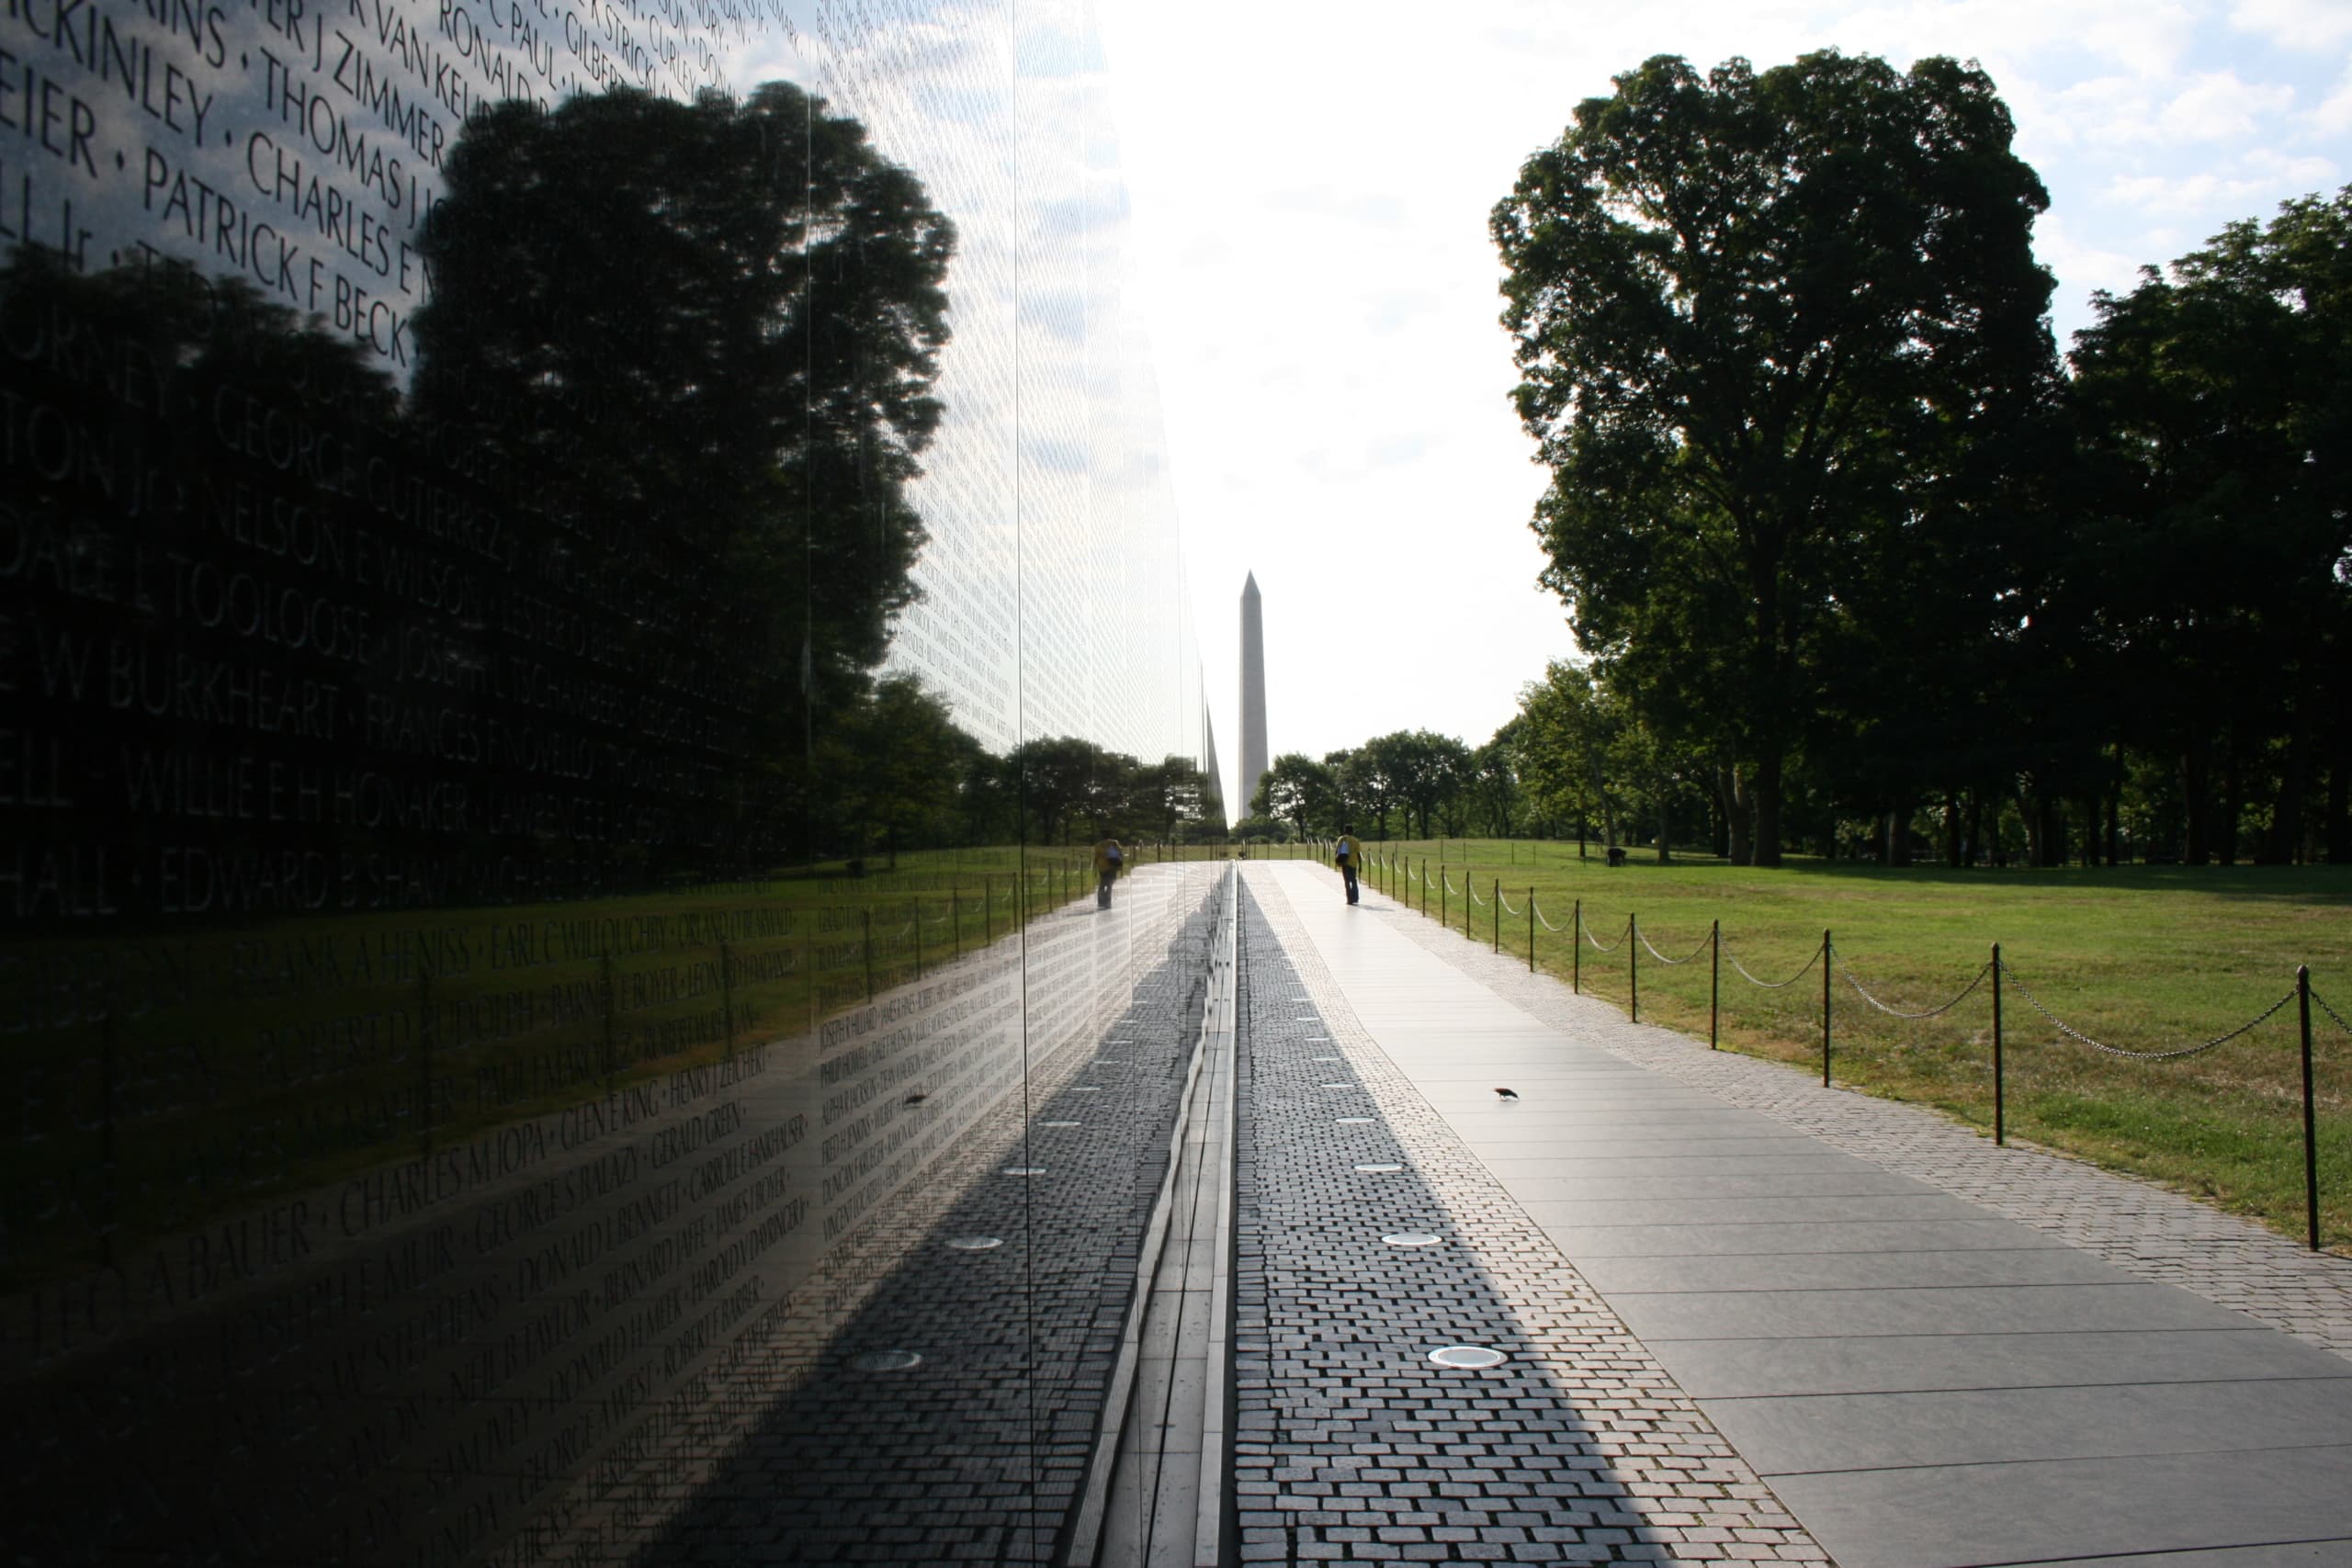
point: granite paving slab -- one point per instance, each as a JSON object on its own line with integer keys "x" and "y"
{"x": 1350, "y": 1445}
{"x": 1976, "y": 1356}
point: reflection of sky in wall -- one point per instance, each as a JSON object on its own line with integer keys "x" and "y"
{"x": 300, "y": 148}
{"x": 296, "y": 147}
{"x": 1053, "y": 602}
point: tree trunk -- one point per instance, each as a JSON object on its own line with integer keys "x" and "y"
{"x": 2197, "y": 807}
{"x": 1664, "y": 831}
{"x": 1951, "y": 830}
{"x": 1767, "y": 807}
{"x": 2225, "y": 831}
{"x": 2050, "y": 809}
{"x": 2115, "y": 810}
{"x": 1743, "y": 817}
{"x": 1973, "y": 841}
{"x": 2340, "y": 804}
{"x": 1898, "y": 836}
{"x": 2287, "y": 812}
{"x": 2031, "y": 819}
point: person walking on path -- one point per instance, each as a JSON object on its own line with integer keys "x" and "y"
{"x": 1345, "y": 854}
{"x": 1108, "y": 857}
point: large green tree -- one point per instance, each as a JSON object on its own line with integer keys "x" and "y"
{"x": 1766, "y": 324}
{"x": 2215, "y": 406}
{"x": 1425, "y": 770}
{"x": 1300, "y": 791}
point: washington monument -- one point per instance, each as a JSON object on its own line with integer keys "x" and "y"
{"x": 1253, "y": 695}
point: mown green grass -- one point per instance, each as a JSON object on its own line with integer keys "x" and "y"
{"x": 2145, "y": 958}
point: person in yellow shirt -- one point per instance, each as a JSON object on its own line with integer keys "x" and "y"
{"x": 1346, "y": 854}
{"x": 1108, "y": 857}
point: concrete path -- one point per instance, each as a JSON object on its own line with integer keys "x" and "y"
{"x": 1921, "y": 1379}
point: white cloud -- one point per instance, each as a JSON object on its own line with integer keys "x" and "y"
{"x": 2308, "y": 172}
{"x": 2080, "y": 265}
{"x": 2335, "y": 114}
{"x": 2247, "y": 187}
{"x": 2295, "y": 24}
{"x": 2218, "y": 106}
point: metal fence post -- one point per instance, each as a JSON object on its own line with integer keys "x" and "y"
{"x": 1633, "y": 961}
{"x": 1531, "y": 929}
{"x": 727, "y": 991}
{"x": 1825, "y": 1010}
{"x": 2000, "y": 1109}
{"x": 424, "y": 1049}
{"x": 918, "y": 909}
{"x": 1498, "y": 914}
{"x": 867, "y": 913}
{"x": 1576, "y": 946}
{"x": 1715, "y": 985}
{"x": 1444, "y": 888}
{"x": 608, "y": 1022}
{"x": 2311, "y": 1129}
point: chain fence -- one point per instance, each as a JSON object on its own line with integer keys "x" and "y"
{"x": 1771, "y": 985}
{"x": 1996, "y": 970}
{"x": 2008, "y": 973}
{"x": 1705, "y": 943}
{"x": 1846, "y": 974}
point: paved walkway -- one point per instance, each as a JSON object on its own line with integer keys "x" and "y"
{"x": 1930, "y": 1351}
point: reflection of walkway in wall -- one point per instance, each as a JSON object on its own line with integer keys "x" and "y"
{"x": 1729, "y": 1297}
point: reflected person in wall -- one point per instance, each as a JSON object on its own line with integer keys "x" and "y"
{"x": 1108, "y": 857}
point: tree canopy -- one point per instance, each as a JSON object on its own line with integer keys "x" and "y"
{"x": 1766, "y": 325}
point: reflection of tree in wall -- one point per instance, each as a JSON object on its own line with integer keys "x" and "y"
{"x": 121, "y": 592}
{"x": 708, "y": 334}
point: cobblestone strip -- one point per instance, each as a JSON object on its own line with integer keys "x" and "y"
{"x": 1349, "y": 1446}
{"x": 2142, "y": 1228}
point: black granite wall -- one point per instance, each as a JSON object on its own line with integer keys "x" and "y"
{"x": 577, "y": 579}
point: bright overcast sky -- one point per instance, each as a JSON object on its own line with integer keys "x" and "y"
{"x": 1311, "y": 190}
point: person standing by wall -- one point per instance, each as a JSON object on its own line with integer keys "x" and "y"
{"x": 1345, "y": 854}
{"x": 1108, "y": 859}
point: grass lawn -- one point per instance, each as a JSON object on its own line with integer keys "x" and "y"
{"x": 2144, "y": 958}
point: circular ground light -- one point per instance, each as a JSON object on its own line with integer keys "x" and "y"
{"x": 1337, "y": 1085}
{"x": 1412, "y": 1238}
{"x": 975, "y": 1243}
{"x": 1086, "y": 1089}
{"x": 886, "y": 1361}
{"x": 1322, "y": 1058}
{"x": 1060, "y": 1123}
{"x": 1380, "y": 1168}
{"x": 1353, "y": 1121}
{"x": 1467, "y": 1356}
{"x": 1024, "y": 1170}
